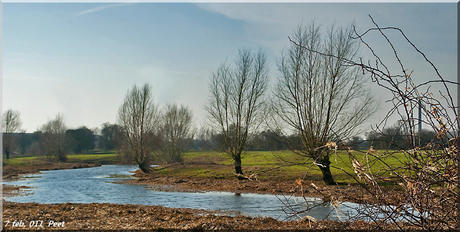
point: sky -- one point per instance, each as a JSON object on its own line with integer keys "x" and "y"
{"x": 80, "y": 59}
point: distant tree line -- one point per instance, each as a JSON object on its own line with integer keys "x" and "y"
{"x": 396, "y": 137}
{"x": 54, "y": 141}
{"x": 82, "y": 140}
{"x": 266, "y": 140}
{"x": 52, "y": 138}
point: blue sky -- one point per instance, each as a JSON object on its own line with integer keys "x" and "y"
{"x": 80, "y": 59}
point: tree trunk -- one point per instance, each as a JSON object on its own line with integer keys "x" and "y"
{"x": 145, "y": 167}
{"x": 326, "y": 171}
{"x": 62, "y": 157}
{"x": 7, "y": 154}
{"x": 238, "y": 169}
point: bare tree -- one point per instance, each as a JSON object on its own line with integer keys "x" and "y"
{"x": 237, "y": 101}
{"x": 428, "y": 173}
{"x": 177, "y": 124}
{"x": 54, "y": 141}
{"x": 416, "y": 186}
{"x": 139, "y": 118}
{"x": 321, "y": 98}
{"x": 11, "y": 124}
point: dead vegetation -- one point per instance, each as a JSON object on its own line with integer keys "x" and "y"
{"x": 140, "y": 217}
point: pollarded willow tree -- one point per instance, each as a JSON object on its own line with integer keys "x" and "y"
{"x": 176, "y": 130}
{"x": 319, "y": 97}
{"x": 140, "y": 121}
{"x": 236, "y": 105}
{"x": 54, "y": 140}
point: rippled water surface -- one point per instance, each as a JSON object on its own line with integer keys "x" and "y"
{"x": 95, "y": 185}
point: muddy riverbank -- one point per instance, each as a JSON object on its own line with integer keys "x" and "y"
{"x": 33, "y": 216}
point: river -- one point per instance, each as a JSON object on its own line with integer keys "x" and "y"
{"x": 97, "y": 185}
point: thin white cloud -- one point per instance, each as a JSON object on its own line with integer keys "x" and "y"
{"x": 99, "y": 8}
{"x": 270, "y": 24}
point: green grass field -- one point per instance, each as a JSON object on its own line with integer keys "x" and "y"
{"x": 93, "y": 157}
{"x": 20, "y": 161}
{"x": 278, "y": 165}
